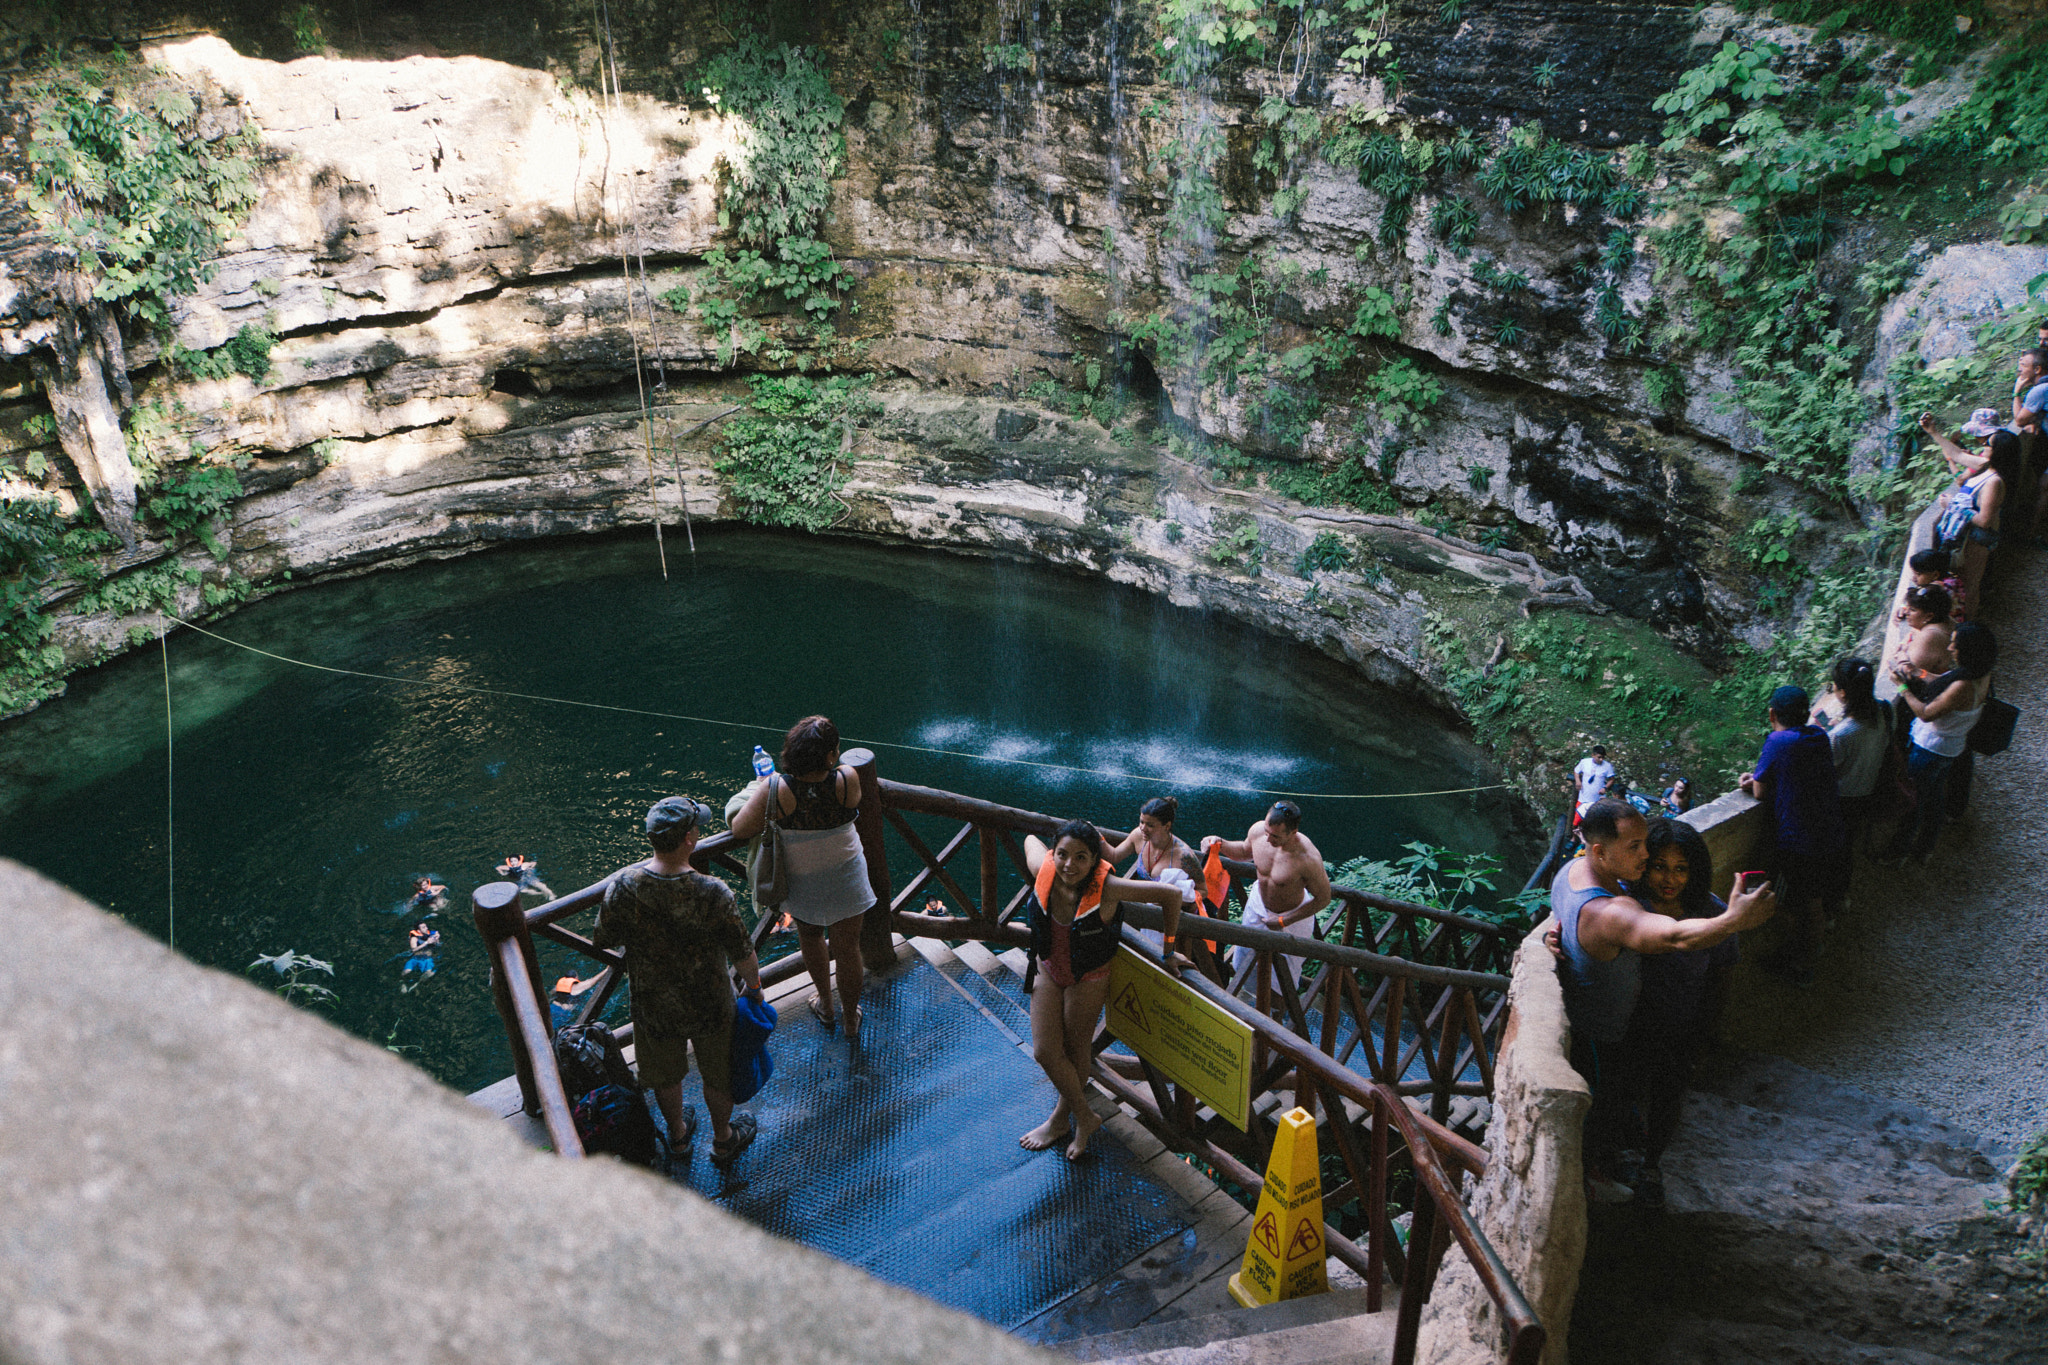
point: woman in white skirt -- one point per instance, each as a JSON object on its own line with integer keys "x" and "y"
{"x": 816, "y": 799}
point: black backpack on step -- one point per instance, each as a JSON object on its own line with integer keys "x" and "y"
{"x": 614, "y": 1119}
{"x": 588, "y": 1056}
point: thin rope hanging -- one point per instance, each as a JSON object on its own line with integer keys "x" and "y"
{"x": 163, "y": 639}
{"x": 609, "y": 88}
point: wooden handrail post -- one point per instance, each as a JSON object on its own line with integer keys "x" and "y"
{"x": 877, "y": 948}
{"x": 991, "y": 898}
{"x": 496, "y": 910}
{"x": 1415, "y": 1280}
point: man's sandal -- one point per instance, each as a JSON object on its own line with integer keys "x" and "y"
{"x": 743, "y": 1129}
{"x": 679, "y": 1143}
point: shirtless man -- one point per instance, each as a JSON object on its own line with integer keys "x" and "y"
{"x": 1292, "y": 888}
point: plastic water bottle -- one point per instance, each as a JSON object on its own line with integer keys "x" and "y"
{"x": 763, "y": 765}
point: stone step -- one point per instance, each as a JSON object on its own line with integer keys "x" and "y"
{"x": 1322, "y": 1327}
{"x": 977, "y": 956}
{"x": 934, "y": 952}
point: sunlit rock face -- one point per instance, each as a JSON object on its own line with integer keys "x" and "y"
{"x": 462, "y": 256}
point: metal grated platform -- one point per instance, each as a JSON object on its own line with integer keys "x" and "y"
{"x": 904, "y": 1159}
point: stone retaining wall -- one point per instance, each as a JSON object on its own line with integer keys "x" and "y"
{"x": 197, "y": 1172}
{"x": 1531, "y": 1202}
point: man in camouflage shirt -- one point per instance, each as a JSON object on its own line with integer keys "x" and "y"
{"x": 679, "y": 928}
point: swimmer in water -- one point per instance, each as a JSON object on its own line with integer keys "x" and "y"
{"x": 428, "y": 894}
{"x": 420, "y": 942}
{"x": 526, "y": 871}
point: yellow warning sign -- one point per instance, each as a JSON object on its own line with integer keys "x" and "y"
{"x": 1193, "y": 1041}
{"x": 1292, "y": 1197}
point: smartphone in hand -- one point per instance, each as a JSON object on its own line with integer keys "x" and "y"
{"x": 1747, "y": 882}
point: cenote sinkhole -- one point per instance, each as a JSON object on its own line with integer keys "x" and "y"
{"x": 305, "y": 801}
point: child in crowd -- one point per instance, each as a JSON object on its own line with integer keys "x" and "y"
{"x": 1934, "y": 568}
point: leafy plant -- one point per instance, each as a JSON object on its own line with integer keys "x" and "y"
{"x": 304, "y": 22}
{"x": 781, "y": 464}
{"x": 294, "y": 970}
{"x": 1456, "y": 222}
{"x": 1663, "y": 386}
{"x": 1241, "y": 549}
{"x": 1327, "y": 552}
{"x": 248, "y": 351}
{"x": 1006, "y": 57}
{"x": 125, "y": 175}
{"x": 774, "y": 189}
{"x": 1768, "y": 542}
{"x": 1401, "y": 392}
{"x": 188, "y": 500}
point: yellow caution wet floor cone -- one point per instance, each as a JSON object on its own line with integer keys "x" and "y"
{"x": 1284, "y": 1257}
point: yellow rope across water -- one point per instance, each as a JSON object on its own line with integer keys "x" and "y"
{"x": 1168, "y": 782}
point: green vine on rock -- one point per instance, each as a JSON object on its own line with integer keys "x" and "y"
{"x": 775, "y": 187}
{"x": 126, "y": 175}
{"x": 781, "y": 463}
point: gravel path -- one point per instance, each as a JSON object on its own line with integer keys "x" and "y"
{"x": 1934, "y": 989}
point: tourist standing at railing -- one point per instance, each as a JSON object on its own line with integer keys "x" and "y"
{"x": 1970, "y": 510}
{"x": 679, "y": 928}
{"x": 1293, "y": 885}
{"x": 1808, "y": 853}
{"x": 1682, "y": 995}
{"x": 1945, "y": 709}
{"x": 2030, "y": 390}
{"x": 2029, "y": 408}
{"x": 1923, "y": 647}
{"x": 816, "y": 801}
{"x": 1600, "y": 937}
{"x": 1076, "y": 918}
{"x": 1859, "y": 737}
{"x": 1163, "y": 856}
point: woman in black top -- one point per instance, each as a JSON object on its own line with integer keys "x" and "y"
{"x": 817, "y": 799}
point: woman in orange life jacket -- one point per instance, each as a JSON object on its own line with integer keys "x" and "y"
{"x": 1076, "y": 918}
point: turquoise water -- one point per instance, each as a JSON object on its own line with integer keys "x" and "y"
{"x": 306, "y": 802}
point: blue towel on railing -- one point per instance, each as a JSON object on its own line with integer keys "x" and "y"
{"x": 751, "y": 1063}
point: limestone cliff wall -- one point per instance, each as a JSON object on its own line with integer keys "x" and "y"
{"x": 438, "y": 248}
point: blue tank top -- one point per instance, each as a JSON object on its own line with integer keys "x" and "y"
{"x": 1598, "y": 996}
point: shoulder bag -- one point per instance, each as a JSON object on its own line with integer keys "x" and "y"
{"x": 768, "y": 865}
{"x": 1993, "y": 730}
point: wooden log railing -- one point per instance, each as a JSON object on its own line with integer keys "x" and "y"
{"x": 1395, "y": 984}
{"x": 1429, "y": 983}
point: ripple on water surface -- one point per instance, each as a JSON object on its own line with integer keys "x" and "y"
{"x": 307, "y": 801}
